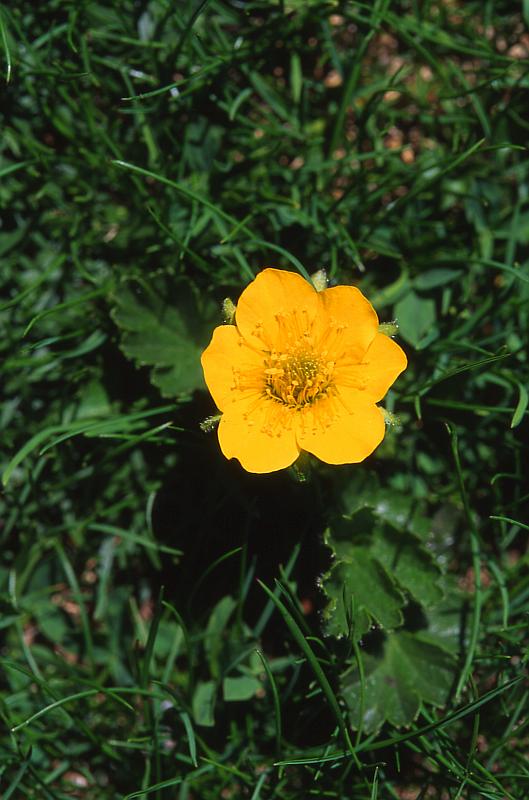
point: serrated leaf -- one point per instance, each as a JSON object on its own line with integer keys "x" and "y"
{"x": 401, "y": 512}
{"x": 360, "y": 593}
{"x": 398, "y": 509}
{"x": 404, "y": 671}
{"x": 360, "y": 491}
{"x": 412, "y": 567}
{"x": 375, "y": 567}
{"x": 445, "y": 623}
{"x": 163, "y": 332}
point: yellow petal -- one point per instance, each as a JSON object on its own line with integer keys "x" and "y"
{"x": 224, "y": 359}
{"x": 259, "y": 435}
{"x": 357, "y": 384}
{"x": 384, "y": 361}
{"x": 353, "y": 319}
{"x": 348, "y": 439}
{"x": 276, "y": 305}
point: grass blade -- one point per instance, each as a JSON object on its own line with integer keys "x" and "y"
{"x": 313, "y": 662}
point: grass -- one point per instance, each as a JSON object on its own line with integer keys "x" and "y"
{"x": 161, "y": 627}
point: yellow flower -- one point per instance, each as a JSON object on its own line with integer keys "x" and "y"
{"x": 300, "y": 370}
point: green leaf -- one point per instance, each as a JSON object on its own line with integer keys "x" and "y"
{"x": 214, "y": 635}
{"x": 51, "y": 621}
{"x": 383, "y": 574}
{"x": 398, "y": 509}
{"x": 444, "y": 624}
{"x": 240, "y": 688}
{"x": 163, "y": 330}
{"x": 408, "y": 562}
{"x": 431, "y": 278}
{"x": 93, "y": 401}
{"x": 404, "y": 671}
{"x": 380, "y": 562}
{"x": 204, "y": 703}
{"x": 416, "y": 316}
{"x": 360, "y": 592}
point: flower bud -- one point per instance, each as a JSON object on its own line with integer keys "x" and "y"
{"x": 391, "y": 420}
{"x": 210, "y": 423}
{"x": 319, "y": 280}
{"x": 389, "y": 328}
{"x": 228, "y": 311}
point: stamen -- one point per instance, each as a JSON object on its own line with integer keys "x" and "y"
{"x": 301, "y": 376}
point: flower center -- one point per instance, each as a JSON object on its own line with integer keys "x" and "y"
{"x": 297, "y": 378}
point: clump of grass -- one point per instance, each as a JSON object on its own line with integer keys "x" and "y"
{"x": 154, "y": 157}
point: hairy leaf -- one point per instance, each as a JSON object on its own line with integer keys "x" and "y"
{"x": 167, "y": 333}
{"x": 377, "y": 570}
{"x": 408, "y": 562}
{"x": 360, "y": 592}
{"x": 403, "y": 670}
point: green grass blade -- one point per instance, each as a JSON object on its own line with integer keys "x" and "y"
{"x": 521, "y": 406}
{"x": 313, "y": 662}
{"x": 155, "y": 787}
{"x": 475, "y": 546}
{"x": 275, "y": 697}
{"x": 5, "y": 45}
